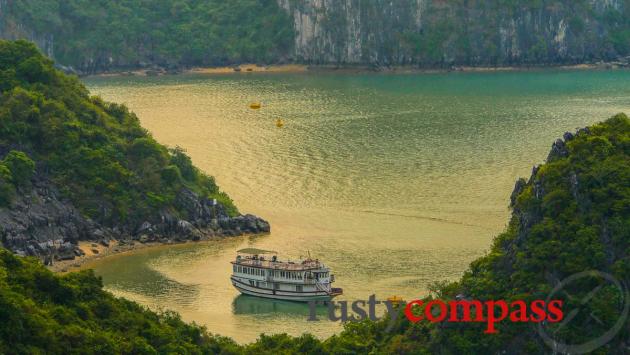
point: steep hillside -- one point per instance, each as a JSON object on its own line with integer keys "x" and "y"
{"x": 379, "y": 33}
{"x": 42, "y": 313}
{"x": 75, "y": 167}
{"x": 571, "y": 216}
{"x": 93, "y": 36}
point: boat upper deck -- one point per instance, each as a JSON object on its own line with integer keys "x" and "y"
{"x": 280, "y": 265}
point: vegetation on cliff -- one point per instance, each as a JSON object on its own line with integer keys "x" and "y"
{"x": 164, "y": 33}
{"x": 95, "y": 152}
{"x": 428, "y": 33}
{"x": 572, "y": 215}
{"x": 43, "y": 313}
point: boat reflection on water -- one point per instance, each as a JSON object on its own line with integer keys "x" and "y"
{"x": 252, "y": 305}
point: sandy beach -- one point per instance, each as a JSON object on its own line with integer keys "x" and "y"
{"x": 95, "y": 251}
{"x": 303, "y": 68}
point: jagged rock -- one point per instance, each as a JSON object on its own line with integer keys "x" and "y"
{"x": 144, "y": 228}
{"x": 558, "y": 150}
{"x": 185, "y": 227}
{"x": 567, "y": 136}
{"x": 99, "y": 234}
{"x": 39, "y": 215}
{"x": 41, "y": 223}
{"x": 518, "y": 188}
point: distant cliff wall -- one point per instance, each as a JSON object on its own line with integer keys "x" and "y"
{"x": 11, "y": 29}
{"x": 380, "y": 33}
{"x": 437, "y": 33}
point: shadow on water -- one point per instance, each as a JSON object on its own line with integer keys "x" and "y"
{"x": 250, "y": 305}
{"x": 142, "y": 279}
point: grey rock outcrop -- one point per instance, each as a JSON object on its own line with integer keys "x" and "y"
{"x": 40, "y": 222}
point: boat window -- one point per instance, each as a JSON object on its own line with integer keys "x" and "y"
{"x": 298, "y": 288}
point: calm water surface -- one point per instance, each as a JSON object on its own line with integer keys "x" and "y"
{"x": 395, "y": 181}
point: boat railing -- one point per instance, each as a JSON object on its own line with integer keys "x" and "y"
{"x": 321, "y": 287}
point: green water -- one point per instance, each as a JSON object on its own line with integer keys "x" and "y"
{"x": 395, "y": 181}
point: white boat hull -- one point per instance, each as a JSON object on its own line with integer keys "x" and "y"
{"x": 279, "y": 294}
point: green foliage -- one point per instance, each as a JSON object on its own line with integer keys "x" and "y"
{"x": 183, "y": 32}
{"x": 72, "y": 314}
{"x": 7, "y": 189}
{"x": 573, "y": 215}
{"x": 96, "y": 152}
{"x": 16, "y": 170}
{"x": 214, "y": 32}
{"x": 20, "y": 166}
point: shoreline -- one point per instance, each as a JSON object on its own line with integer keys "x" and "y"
{"x": 353, "y": 69}
{"x": 95, "y": 251}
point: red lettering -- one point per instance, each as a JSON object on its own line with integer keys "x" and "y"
{"x": 538, "y": 310}
{"x": 520, "y": 314}
{"x": 429, "y": 314}
{"x": 491, "y": 319}
{"x": 409, "y": 311}
{"x": 555, "y": 309}
{"x": 466, "y": 307}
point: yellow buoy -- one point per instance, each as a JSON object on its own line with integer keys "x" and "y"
{"x": 254, "y": 105}
{"x": 279, "y": 123}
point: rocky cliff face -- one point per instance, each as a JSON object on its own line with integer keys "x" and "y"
{"x": 441, "y": 33}
{"x": 426, "y": 33}
{"x": 40, "y": 222}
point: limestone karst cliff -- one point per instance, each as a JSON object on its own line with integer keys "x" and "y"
{"x": 424, "y": 33}
{"x": 439, "y": 33}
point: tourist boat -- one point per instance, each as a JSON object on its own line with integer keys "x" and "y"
{"x": 260, "y": 273}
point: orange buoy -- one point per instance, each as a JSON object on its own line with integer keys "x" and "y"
{"x": 255, "y": 105}
{"x": 279, "y": 123}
